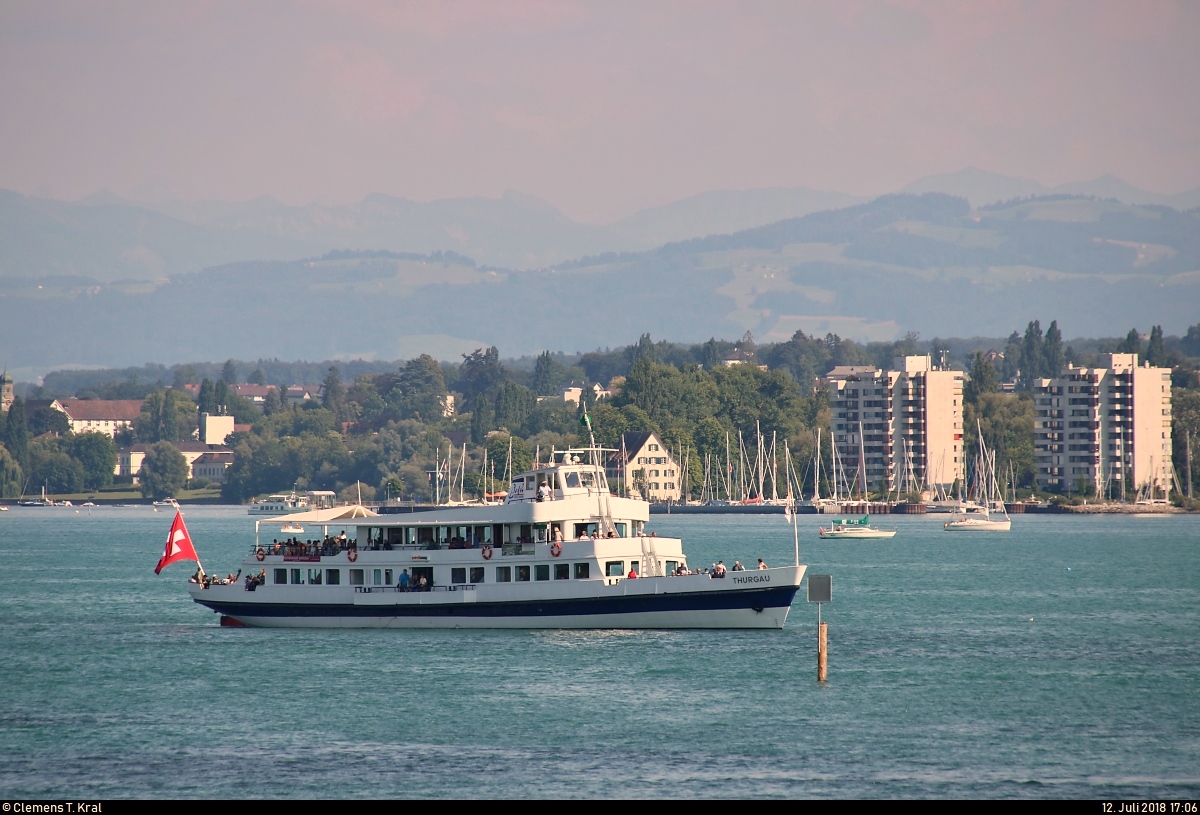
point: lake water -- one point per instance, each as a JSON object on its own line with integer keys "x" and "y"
{"x": 1061, "y": 660}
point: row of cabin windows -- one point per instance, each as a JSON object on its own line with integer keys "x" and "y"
{"x": 480, "y": 535}
{"x": 460, "y": 574}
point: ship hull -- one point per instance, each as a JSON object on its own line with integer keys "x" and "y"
{"x": 651, "y": 604}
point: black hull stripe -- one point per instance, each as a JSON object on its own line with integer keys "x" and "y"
{"x": 780, "y": 597}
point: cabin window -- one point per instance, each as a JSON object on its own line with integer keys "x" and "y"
{"x": 424, "y": 535}
{"x": 522, "y": 574}
{"x": 333, "y": 577}
{"x": 483, "y": 535}
{"x": 672, "y": 566}
{"x": 589, "y": 479}
{"x": 297, "y": 577}
{"x": 573, "y": 480}
{"x": 504, "y": 574}
{"x": 562, "y": 571}
{"x": 615, "y": 568}
{"x": 314, "y": 577}
{"x": 585, "y": 530}
{"x": 387, "y": 577}
{"x": 526, "y": 533}
{"x": 377, "y": 578}
{"x": 542, "y": 571}
{"x": 476, "y": 574}
{"x": 621, "y": 529}
{"x": 458, "y": 574}
{"x": 583, "y": 571}
{"x": 356, "y": 577}
{"x": 281, "y": 577}
{"x": 634, "y": 567}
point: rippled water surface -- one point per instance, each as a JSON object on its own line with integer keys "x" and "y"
{"x": 1061, "y": 660}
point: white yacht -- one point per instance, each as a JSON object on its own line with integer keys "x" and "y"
{"x": 851, "y": 529}
{"x": 559, "y": 552}
{"x": 290, "y": 503}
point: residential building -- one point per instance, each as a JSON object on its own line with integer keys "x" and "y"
{"x": 573, "y": 393}
{"x": 882, "y": 418}
{"x": 302, "y": 394}
{"x": 645, "y": 465}
{"x": 107, "y": 416}
{"x": 255, "y": 393}
{"x": 1106, "y": 429}
{"x": 129, "y": 460}
{"x": 215, "y": 429}
{"x": 212, "y": 465}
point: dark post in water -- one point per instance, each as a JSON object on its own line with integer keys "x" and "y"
{"x": 820, "y": 590}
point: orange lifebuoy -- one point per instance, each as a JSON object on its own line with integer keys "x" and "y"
{"x": 261, "y": 553}
{"x": 487, "y": 553}
{"x": 556, "y": 549}
{"x": 351, "y": 555}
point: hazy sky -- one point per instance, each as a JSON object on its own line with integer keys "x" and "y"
{"x": 601, "y": 108}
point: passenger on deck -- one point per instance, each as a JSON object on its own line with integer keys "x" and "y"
{"x": 632, "y": 573}
{"x": 738, "y": 567}
{"x": 720, "y": 569}
{"x": 761, "y": 564}
{"x": 402, "y": 585}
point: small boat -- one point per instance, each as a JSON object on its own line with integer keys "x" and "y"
{"x": 167, "y": 502}
{"x": 291, "y": 529}
{"x": 985, "y": 477}
{"x": 860, "y": 529}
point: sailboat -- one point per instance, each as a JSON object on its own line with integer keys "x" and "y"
{"x": 985, "y": 477}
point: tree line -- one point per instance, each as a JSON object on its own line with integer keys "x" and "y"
{"x": 386, "y": 432}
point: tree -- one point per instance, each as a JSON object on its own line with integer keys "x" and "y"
{"x": 547, "y": 373}
{"x": 164, "y": 471}
{"x": 52, "y": 468}
{"x": 1156, "y": 354}
{"x": 1133, "y": 342}
{"x": 49, "y": 420}
{"x": 481, "y": 419}
{"x": 514, "y": 403}
{"x": 259, "y": 377}
{"x": 271, "y": 402}
{"x": 1032, "y": 361}
{"x": 97, "y": 454}
{"x": 983, "y": 379}
{"x": 334, "y": 394}
{"x": 229, "y": 373}
{"x": 12, "y": 479}
{"x": 206, "y": 400}
{"x": 420, "y": 390}
{"x": 1053, "y": 358}
{"x": 480, "y": 372}
{"x": 16, "y": 434}
{"x": 498, "y": 447}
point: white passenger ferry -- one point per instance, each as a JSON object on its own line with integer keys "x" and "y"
{"x": 291, "y": 503}
{"x": 559, "y": 552}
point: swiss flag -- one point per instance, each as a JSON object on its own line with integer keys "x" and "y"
{"x": 179, "y": 545}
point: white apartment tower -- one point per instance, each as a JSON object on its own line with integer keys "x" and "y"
{"x": 1107, "y": 427}
{"x": 913, "y": 411}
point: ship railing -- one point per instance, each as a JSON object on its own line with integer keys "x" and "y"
{"x": 396, "y": 590}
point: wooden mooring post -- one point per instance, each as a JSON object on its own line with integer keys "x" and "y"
{"x": 820, "y": 590}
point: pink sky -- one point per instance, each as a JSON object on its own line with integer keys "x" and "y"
{"x": 601, "y": 108}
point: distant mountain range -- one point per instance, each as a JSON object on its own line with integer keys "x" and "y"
{"x": 930, "y": 263}
{"x": 105, "y": 239}
{"x": 981, "y": 187}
